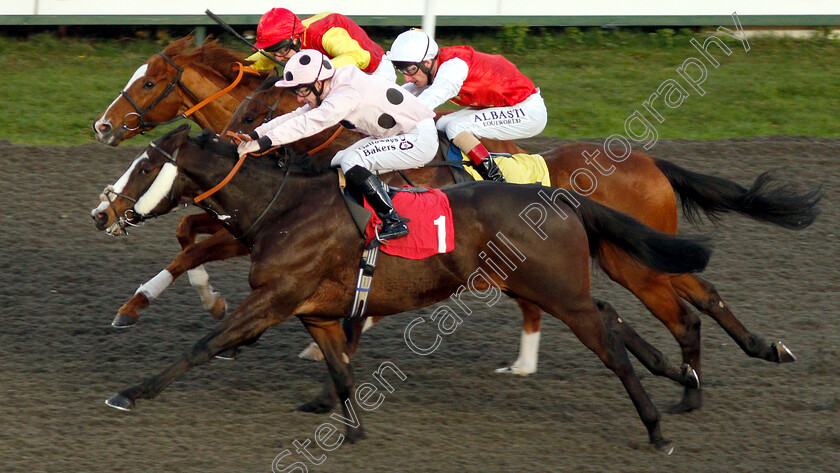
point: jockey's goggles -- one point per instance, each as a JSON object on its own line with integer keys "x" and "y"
{"x": 281, "y": 47}
{"x": 303, "y": 91}
{"x": 407, "y": 68}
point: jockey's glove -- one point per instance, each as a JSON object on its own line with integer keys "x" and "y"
{"x": 254, "y": 146}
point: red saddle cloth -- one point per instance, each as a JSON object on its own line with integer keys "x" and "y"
{"x": 431, "y": 230}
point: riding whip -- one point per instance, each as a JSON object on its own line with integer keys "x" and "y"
{"x": 230, "y": 30}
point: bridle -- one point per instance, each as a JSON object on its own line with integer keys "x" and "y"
{"x": 272, "y": 109}
{"x": 130, "y": 218}
{"x": 175, "y": 82}
{"x": 141, "y": 112}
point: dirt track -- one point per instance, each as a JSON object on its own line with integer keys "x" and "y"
{"x": 63, "y": 282}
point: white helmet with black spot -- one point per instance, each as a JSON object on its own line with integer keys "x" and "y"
{"x": 305, "y": 68}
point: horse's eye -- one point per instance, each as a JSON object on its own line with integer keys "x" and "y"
{"x": 144, "y": 171}
{"x": 248, "y": 120}
{"x": 149, "y": 84}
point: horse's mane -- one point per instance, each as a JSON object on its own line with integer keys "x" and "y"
{"x": 211, "y": 55}
{"x": 299, "y": 163}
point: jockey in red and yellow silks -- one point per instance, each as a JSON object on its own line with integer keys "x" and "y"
{"x": 336, "y": 36}
{"x": 503, "y": 103}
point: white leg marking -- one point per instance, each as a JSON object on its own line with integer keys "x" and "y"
{"x": 155, "y": 286}
{"x": 200, "y": 280}
{"x": 529, "y": 348}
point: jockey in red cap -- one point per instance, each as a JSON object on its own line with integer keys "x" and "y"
{"x": 502, "y": 103}
{"x": 282, "y": 33}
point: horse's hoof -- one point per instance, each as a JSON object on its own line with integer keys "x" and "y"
{"x": 690, "y": 378}
{"x": 355, "y": 435}
{"x": 219, "y": 309}
{"x": 318, "y": 406}
{"x": 123, "y": 320}
{"x": 118, "y": 401}
{"x": 783, "y": 354}
{"x": 684, "y": 406}
{"x": 228, "y": 355}
{"x": 312, "y": 352}
{"x": 516, "y": 368}
{"x": 665, "y": 446}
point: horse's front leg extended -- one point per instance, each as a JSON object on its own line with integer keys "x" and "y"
{"x": 217, "y": 247}
{"x": 249, "y": 320}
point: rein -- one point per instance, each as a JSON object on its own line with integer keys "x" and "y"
{"x": 140, "y": 113}
{"x": 238, "y": 164}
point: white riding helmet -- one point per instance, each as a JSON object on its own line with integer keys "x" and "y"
{"x": 413, "y": 46}
{"x": 305, "y": 68}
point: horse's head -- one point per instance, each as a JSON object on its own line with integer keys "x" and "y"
{"x": 149, "y": 97}
{"x": 260, "y": 106}
{"x": 204, "y": 84}
{"x": 151, "y": 186}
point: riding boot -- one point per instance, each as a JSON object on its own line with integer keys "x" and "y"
{"x": 489, "y": 170}
{"x": 393, "y": 226}
{"x": 484, "y": 165}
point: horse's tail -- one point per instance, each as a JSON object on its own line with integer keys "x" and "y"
{"x": 764, "y": 201}
{"x": 665, "y": 253}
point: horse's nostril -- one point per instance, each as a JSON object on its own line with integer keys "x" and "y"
{"x": 103, "y": 127}
{"x": 100, "y": 219}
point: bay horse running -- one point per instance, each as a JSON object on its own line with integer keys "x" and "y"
{"x": 305, "y": 252}
{"x": 653, "y": 203}
{"x": 176, "y": 81}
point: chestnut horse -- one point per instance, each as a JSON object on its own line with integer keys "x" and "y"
{"x": 171, "y": 83}
{"x": 304, "y": 258}
{"x": 655, "y": 205}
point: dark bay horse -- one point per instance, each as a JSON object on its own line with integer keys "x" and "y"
{"x": 653, "y": 203}
{"x": 304, "y": 255}
{"x": 173, "y": 81}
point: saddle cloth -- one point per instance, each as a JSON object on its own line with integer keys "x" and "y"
{"x": 431, "y": 230}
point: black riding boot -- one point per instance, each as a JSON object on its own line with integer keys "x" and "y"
{"x": 393, "y": 226}
{"x": 489, "y": 171}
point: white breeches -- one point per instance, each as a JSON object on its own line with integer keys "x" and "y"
{"x": 523, "y": 120}
{"x": 408, "y": 150}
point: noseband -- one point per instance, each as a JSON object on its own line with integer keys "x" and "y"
{"x": 140, "y": 113}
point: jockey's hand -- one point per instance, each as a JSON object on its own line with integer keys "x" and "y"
{"x": 247, "y": 147}
{"x": 253, "y": 146}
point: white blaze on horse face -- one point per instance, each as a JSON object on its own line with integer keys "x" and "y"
{"x": 158, "y": 190}
{"x": 119, "y": 186}
{"x": 138, "y": 74}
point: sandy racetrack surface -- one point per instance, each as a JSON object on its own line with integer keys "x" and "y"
{"x": 63, "y": 282}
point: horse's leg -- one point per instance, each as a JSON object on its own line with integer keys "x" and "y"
{"x": 654, "y": 290}
{"x": 653, "y": 359}
{"x": 258, "y": 312}
{"x": 529, "y": 344}
{"x": 327, "y": 399}
{"x": 585, "y": 322}
{"x": 705, "y": 297}
{"x": 313, "y": 352}
{"x": 330, "y": 336}
{"x": 218, "y": 246}
{"x": 188, "y": 229}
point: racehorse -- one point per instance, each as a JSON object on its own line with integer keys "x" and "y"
{"x": 654, "y": 204}
{"x": 175, "y": 82}
{"x": 304, "y": 255}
